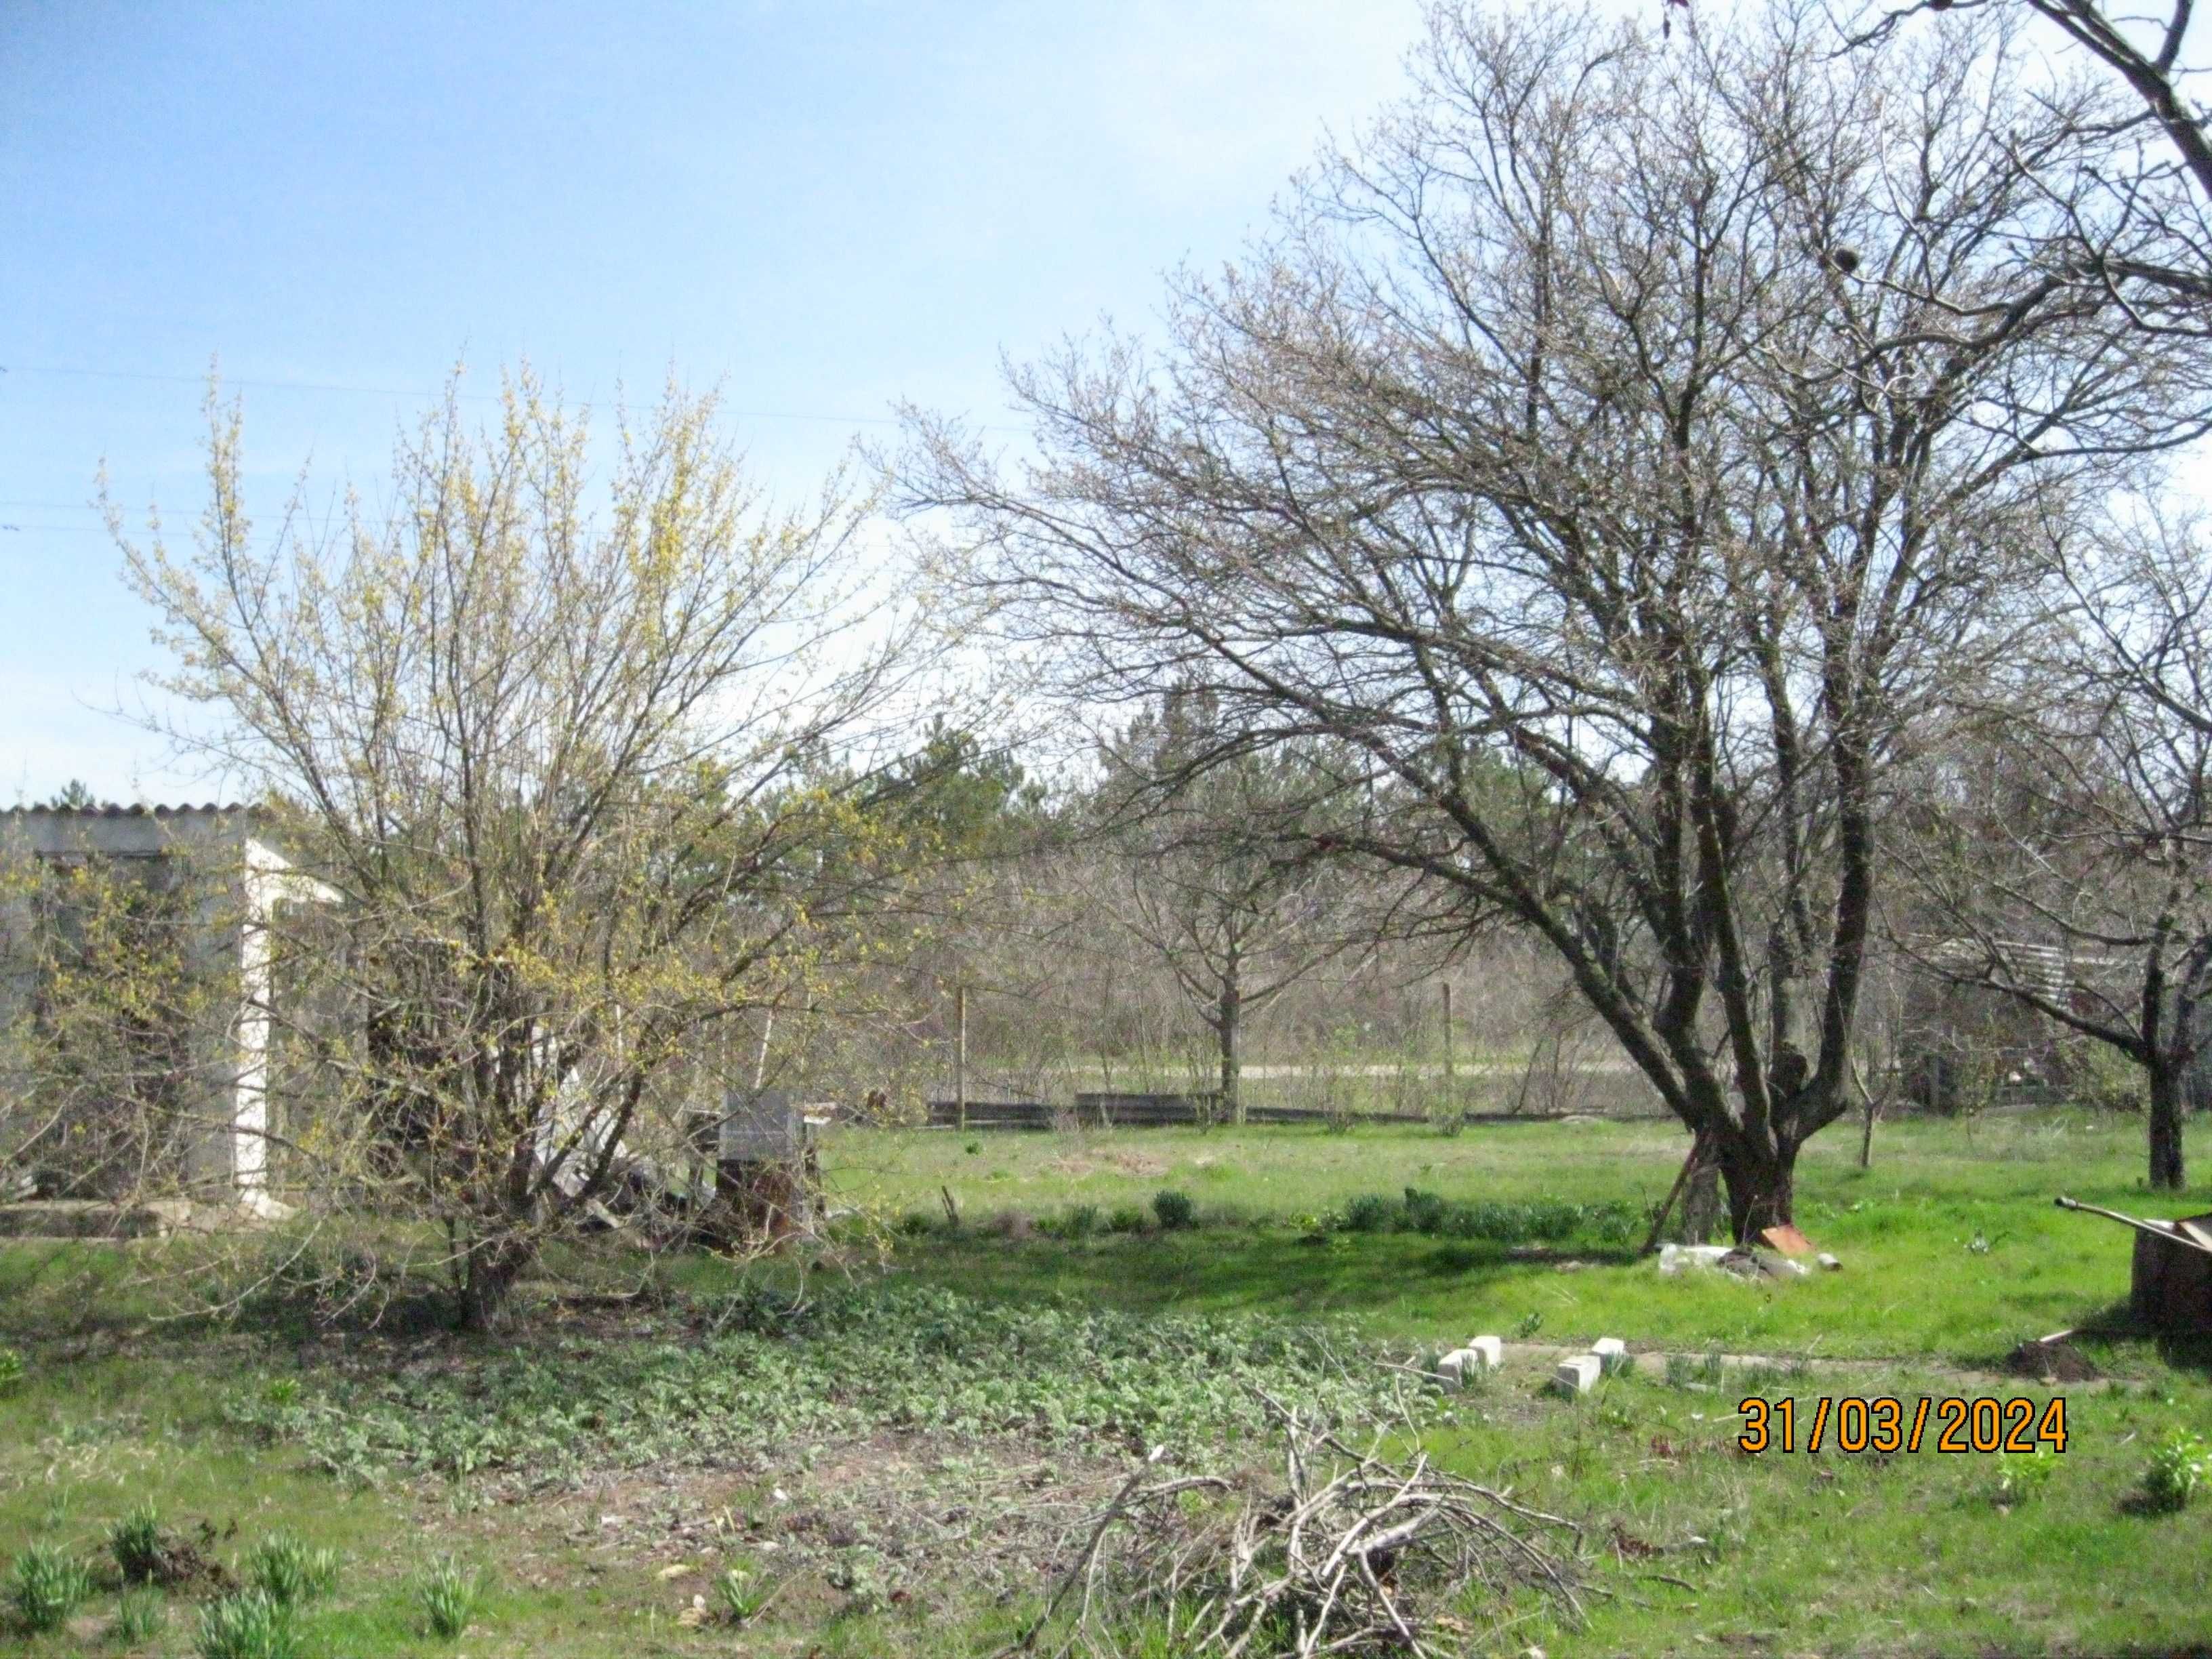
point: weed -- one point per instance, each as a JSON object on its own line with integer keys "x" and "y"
{"x": 249, "y": 1625}
{"x": 973, "y": 1149}
{"x": 12, "y": 1369}
{"x": 135, "y": 1541}
{"x": 46, "y": 1585}
{"x": 1078, "y": 1221}
{"x": 448, "y": 1595}
{"x": 1174, "y": 1209}
{"x": 2178, "y": 1467}
{"x": 1369, "y": 1212}
{"x": 1126, "y": 1218}
{"x": 139, "y": 1616}
{"x": 2021, "y": 1476}
{"x": 287, "y": 1571}
{"x": 1424, "y": 1212}
{"x": 1530, "y": 1324}
{"x": 916, "y": 1224}
{"x": 742, "y": 1593}
{"x": 282, "y": 1391}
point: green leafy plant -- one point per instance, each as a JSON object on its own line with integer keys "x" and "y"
{"x": 2179, "y": 1465}
{"x": 740, "y": 1593}
{"x": 139, "y": 1616}
{"x": 12, "y": 1369}
{"x": 135, "y": 1541}
{"x": 1126, "y": 1218}
{"x": 1174, "y": 1210}
{"x": 46, "y": 1585}
{"x": 284, "y": 1569}
{"x": 448, "y": 1594}
{"x": 249, "y": 1625}
{"x": 2022, "y": 1475}
{"x": 1530, "y": 1323}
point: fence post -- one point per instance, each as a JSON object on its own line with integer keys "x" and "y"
{"x": 1451, "y": 1086}
{"x": 960, "y": 1054}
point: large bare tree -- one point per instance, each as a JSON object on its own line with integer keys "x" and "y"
{"x": 1617, "y": 449}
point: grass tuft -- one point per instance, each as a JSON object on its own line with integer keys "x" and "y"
{"x": 449, "y": 1596}
{"x": 249, "y": 1625}
{"x": 46, "y": 1585}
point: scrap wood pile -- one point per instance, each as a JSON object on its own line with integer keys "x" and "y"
{"x": 1349, "y": 1554}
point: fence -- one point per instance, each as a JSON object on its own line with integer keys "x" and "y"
{"x": 1127, "y": 1111}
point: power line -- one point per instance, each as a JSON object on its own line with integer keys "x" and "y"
{"x": 394, "y": 391}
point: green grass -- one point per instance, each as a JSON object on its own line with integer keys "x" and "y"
{"x": 895, "y": 1463}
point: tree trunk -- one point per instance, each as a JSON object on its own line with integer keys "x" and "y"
{"x": 1762, "y": 1178}
{"x": 492, "y": 1269}
{"x": 2165, "y": 1169}
{"x": 1229, "y": 1027}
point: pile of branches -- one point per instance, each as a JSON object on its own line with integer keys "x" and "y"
{"x": 1351, "y": 1554}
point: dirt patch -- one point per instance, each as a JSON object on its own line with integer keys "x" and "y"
{"x": 2051, "y": 1360}
{"x": 888, "y": 1519}
{"x": 1119, "y": 1161}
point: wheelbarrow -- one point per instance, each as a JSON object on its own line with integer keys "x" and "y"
{"x": 2170, "y": 1288}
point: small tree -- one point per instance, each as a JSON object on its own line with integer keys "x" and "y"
{"x": 1216, "y": 870}
{"x": 2061, "y": 858}
{"x": 592, "y": 788}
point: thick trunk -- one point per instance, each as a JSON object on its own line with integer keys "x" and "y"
{"x": 1761, "y": 1177}
{"x": 487, "y": 1282}
{"x": 2166, "y": 1168}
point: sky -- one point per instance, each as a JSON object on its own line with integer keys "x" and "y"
{"x": 824, "y": 207}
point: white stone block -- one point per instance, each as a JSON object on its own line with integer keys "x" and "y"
{"x": 1491, "y": 1350}
{"x": 1578, "y": 1375}
{"x": 1612, "y": 1353}
{"x": 1455, "y": 1367}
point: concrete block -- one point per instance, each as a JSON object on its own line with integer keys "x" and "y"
{"x": 1578, "y": 1375}
{"x": 1491, "y": 1350}
{"x": 1612, "y": 1353}
{"x": 1455, "y": 1367}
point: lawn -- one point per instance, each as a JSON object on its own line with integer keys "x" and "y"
{"x": 900, "y": 1453}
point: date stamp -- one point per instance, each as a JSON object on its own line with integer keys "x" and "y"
{"x": 1883, "y": 1422}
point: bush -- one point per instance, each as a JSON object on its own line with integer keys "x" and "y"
{"x": 1174, "y": 1210}
{"x": 915, "y": 1223}
{"x": 1126, "y": 1218}
{"x": 449, "y": 1596}
{"x": 2177, "y": 1468}
{"x": 135, "y": 1541}
{"x": 1077, "y": 1221}
{"x": 282, "y": 1568}
{"x": 1424, "y": 1212}
{"x": 248, "y": 1625}
{"x": 46, "y": 1585}
{"x": 1369, "y": 1212}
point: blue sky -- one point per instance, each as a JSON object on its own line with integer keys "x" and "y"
{"x": 824, "y": 207}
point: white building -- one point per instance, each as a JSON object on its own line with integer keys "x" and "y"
{"x": 239, "y": 881}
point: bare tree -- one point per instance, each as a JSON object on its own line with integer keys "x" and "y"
{"x": 1216, "y": 869}
{"x": 2062, "y": 858}
{"x": 592, "y": 788}
{"x": 1617, "y": 449}
{"x": 2143, "y": 232}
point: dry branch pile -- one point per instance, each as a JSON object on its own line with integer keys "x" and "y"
{"x": 1351, "y": 1554}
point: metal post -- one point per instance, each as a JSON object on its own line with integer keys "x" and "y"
{"x": 1449, "y": 1092}
{"x": 960, "y": 1054}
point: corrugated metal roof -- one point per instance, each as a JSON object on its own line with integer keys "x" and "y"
{"x": 111, "y": 810}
